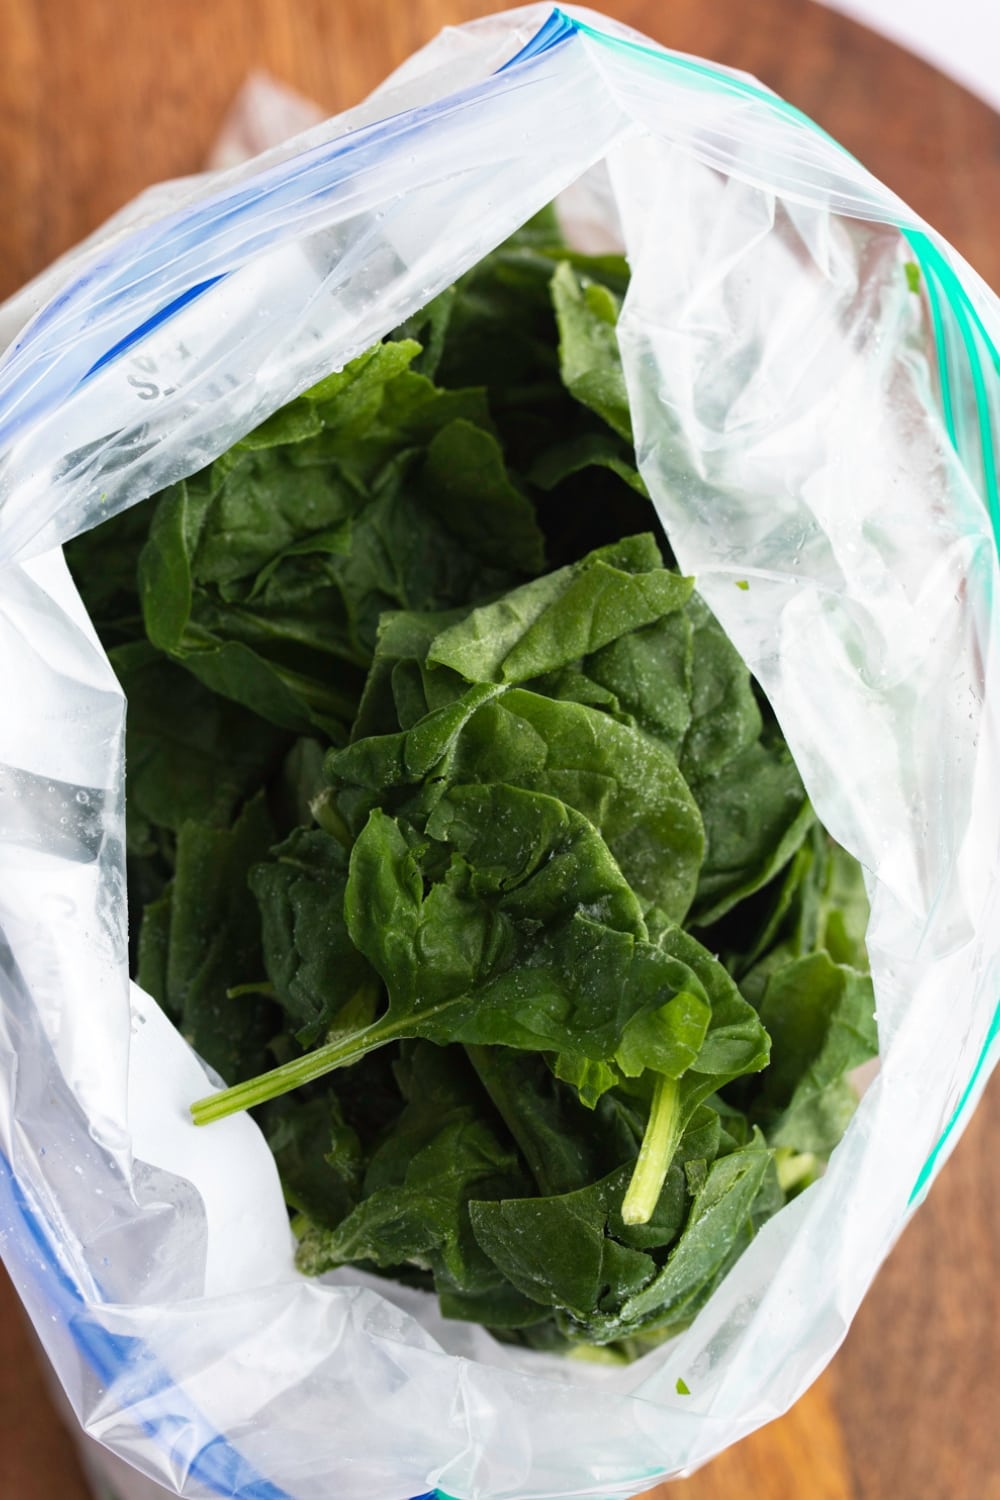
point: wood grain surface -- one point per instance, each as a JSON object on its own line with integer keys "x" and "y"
{"x": 101, "y": 98}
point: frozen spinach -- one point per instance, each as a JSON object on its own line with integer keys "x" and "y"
{"x": 462, "y": 844}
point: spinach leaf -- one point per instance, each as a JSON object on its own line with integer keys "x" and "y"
{"x": 592, "y": 450}
{"x": 319, "y": 1156}
{"x": 562, "y": 1146}
{"x": 558, "y": 1250}
{"x": 265, "y": 575}
{"x": 554, "y": 620}
{"x": 718, "y": 1228}
{"x": 315, "y": 970}
{"x": 192, "y": 756}
{"x": 605, "y": 1279}
{"x": 820, "y": 1016}
{"x": 531, "y": 938}
{"x": 103, "y": 564}
{"x": 418, "y": 1185}
{"x": 625, "y": 782}
{"x": 590, "y": 364}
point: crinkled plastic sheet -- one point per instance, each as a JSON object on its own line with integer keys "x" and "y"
{"x": 807, "y": 425}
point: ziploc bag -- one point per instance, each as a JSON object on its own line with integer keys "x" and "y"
{"x": 813, "y": 376}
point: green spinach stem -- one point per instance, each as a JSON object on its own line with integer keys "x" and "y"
{"x": 290, "y": 1075}
{"x": 255, "y": 987}
{"x": 655, "y": 1154}
{"x": 312, "y": 1065}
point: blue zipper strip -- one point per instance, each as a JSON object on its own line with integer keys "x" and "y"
{"x": 558, "y": 28}
{"x": 152, "y": 322}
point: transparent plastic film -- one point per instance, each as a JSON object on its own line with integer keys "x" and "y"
{"x": 814, "y": 386}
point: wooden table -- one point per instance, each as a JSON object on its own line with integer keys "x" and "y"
{"x": 100, "y": 99}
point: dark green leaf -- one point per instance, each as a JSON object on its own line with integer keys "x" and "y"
{"x": 154, "y": 948}
{"x": 416, "y": 1193}
{"x": 589, "y": 358}
{"x": 718, "y": 1228}
{"x": 319, "y": 1156}
{"x": 192, "y": 756}
{"x": 557, "y": 1250}
{"x": 214, "y": 943}
{"x": 624, "y": 781}
{"x": 597, "y": 449}
{"x": 756, "y": 816}
{"x": 821, "y": 1019}
{"x": 465, "y": 484}
{"x": 314, "y": 967}
{"x": 564, "y": 1146}
{"x": 555, "y": 620}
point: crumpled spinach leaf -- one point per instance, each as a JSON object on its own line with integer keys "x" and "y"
{"x": 719, "y": 1226}
{"x": 554, "y": 620}
{"x": 590, "y": 364}
{"x": 266, "y": 574}
{"x": 820, "y": 1016}
{"x": 319, "y": 1156}
{"x": 418, "y": 1184}
{"x": 315, "y": 969}
{"x": 572, "y": 1252}
{"x": 192, "y": 756}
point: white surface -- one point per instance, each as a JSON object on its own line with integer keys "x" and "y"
{"x": 961, "y": 37}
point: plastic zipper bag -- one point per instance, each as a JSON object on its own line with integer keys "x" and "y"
{"x": 813, "y": 378}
